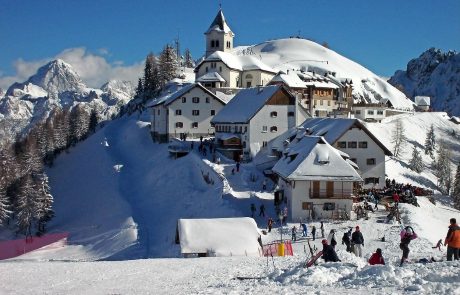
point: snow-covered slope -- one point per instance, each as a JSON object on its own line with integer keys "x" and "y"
{"x": 54, "y": 85}
{"x": 435, "y": 74}
{"x": 301, "y": 54}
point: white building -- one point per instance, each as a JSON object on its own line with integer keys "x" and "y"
{"x": 370, "y": 112}
{"x": 253, "y": 118}
{"x": 187, "y": 111}
{"x": 422, "y": 103}
{"x": 218, "y": 237}
{"x": 316, "y": 179}
{"x": 353, "y": 138}
{"x": 223, "y": 69}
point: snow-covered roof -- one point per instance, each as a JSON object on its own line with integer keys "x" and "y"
{"x": 292, "y": 80}
{"x": 333, "y": 128}
{"x": 422, "y": 101}
{"x": 237, "y": 62}
{"x": 222, "y": 236}
{"x": 219, "y": 24}
{"x": 312, "y": 158}
{"x": 169, "y": 98}
{"x": 225, "y": 136}
{"x": 210, "y": 77}
{"x": 246, "y": 104}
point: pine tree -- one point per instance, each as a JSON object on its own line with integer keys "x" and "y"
{"x": 93, "y": 121}
{"x": 4, "y": 202}
{"x": 44, "y": 211}
{"x": 416, "y": 163}
{"x": 456, "y": 190}
{"x": 139, "y": 89}
{"x": 442, "y": 168}
{"x": 430, "y": 142}
{"x": 167, "y": 65}
{"x": 30, "y": 160}
{"x": 60, "y": 130}
{"x": 398, "y": 138}
{"x": 26, "y": 205}
{"x": 151, "y": 83}
{"x": 188, "y": 63}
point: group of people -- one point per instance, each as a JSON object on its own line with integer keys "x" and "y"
{"x": 355, "y": 241}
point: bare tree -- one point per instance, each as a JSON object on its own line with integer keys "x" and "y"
{"x": 398, "y": 138}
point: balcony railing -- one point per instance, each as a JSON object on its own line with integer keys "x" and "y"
{"x": 335, "y": 194}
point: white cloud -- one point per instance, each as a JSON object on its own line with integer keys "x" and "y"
{"x": 93, "y": 69}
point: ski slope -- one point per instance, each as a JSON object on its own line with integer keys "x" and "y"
{"x": 119, "y": 196}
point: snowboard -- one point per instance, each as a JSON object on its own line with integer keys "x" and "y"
{"x": 313, "y": 260}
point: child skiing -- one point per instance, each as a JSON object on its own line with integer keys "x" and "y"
{"x": 407, "y": 235}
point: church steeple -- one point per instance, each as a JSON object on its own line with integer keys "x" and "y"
{"x": 219, "y": 36}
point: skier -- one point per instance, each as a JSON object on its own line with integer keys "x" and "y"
{"x": 346, "y": 239}
{"x": 357, "y": 240}
{"x": 452, "y": 240}
{"x": 294, "y": 233}
{"x": 396, "y": 198}
{"x": 253, "y": 209}
{"x": 377, "y": 258}
{"x": 322, "y": 230}
{"x": 331, "y": 238}
{"x": 329, "y": 254}
{"x": 313, "y": 232}
{"x": 407, "y": 235}
{"x": 270, "y": 224}
{"x": 262, "y": 210}
{"x": 237, "y": 166}
{"x": 304, "y": 229}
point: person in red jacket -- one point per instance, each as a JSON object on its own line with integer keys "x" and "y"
{"x": 377, "y": 258}
{"x": 452, "y": 240}
{"x": 396, "y": 198}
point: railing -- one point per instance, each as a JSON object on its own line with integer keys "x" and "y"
{"x": 325, "y": 194}
{"x": 272, "y": 249}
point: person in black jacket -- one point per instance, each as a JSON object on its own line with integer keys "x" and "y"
{"x": 346, "y": 239}
{"x": 329, "y": 254}
{"x": 357, "y": 240}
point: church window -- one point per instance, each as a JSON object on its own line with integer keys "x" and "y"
{"x": 212, "y": 43}
{"x": 217, "y": 43}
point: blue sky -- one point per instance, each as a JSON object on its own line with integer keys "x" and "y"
{"x": 381, "y": 35}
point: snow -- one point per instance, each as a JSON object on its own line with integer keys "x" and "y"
{"x": 314, "y": 159}
{"x": 245, "y": 104}
{"x": 132, "y": 214}
{"x": 240, "y": 63}
{"x": 220, "y": 236}
{"x": 301, "y": 54}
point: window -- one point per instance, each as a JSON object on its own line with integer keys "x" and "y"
{"x": 245, "y": 128}
{"x": 220, "y": 69}
{"x": 184, "y": 99}
{"x": 228, "y": 44}
{"x": 273, "y": 114}
{"x": 213, "y": 112}
{"x": 320, "y": 102}
{"x": 328, "y": 103}
{"x": 264, "y": 143}
{"x": 363, "y": 144}
{"x": 342, "y": 144}
{"x": 352, "y": 144}
{"x": 179, "y": 125}
{"x": 370, "y": 161}
{"x": 370, "y": 112}
{"x": 213, "y": 65}
{"x": 178, "y": 112}
{"x": 379, "y": 112}
{"x": 158, "y": 112}
{"x": 264, "y": 129}
{"x": 195, "y": 125}
{"x": 358, "y": 112}
{"x": 212, "y": 43}
{"x": 196, "y": 100}
{"x": 207, "y": 100}
{"x": 273, "y": 129}
{"x": 217, "y": 43}
{"x": 371, "y": 180}
{"x": 315, "y": 193}
{"x": 290, "y": 114}
{"x": 248, "y": 84}
{"x": 206, "y": 69}
{"x": 196, "y": 112}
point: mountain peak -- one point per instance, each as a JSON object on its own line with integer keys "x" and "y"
{"x": 56, "y": 77}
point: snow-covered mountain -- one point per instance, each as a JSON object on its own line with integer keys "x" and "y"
{"x": 306, "y": 55}
{"x": 436, "y": 74}
{"x": 55, "y": 85}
